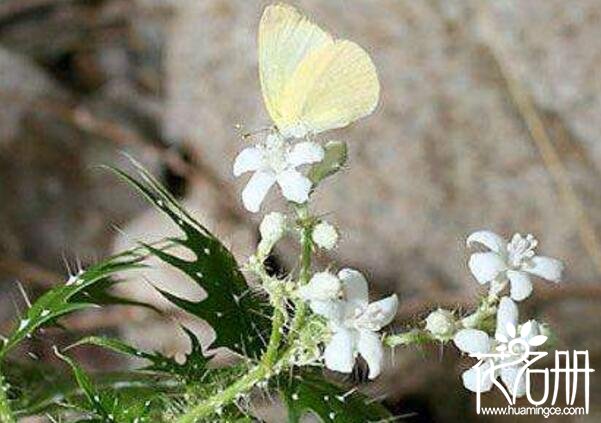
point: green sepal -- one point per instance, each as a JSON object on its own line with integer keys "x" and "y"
{"x": 334, "y": 159}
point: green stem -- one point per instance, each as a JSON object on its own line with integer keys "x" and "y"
{"x": 262, "y": 371}
{"x": 223, "y": 398}
{"x": 271, "y": 353}
{"x": 412, "y": 337}
{"x": 271, "y": 360}
{"x": 6, "y": 415}
{"x": 306, "y": 244}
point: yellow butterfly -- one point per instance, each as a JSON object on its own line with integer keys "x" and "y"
{"x": 312, "y": 82}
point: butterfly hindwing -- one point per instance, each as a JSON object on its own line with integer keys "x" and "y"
{"x": 310, "y": 82}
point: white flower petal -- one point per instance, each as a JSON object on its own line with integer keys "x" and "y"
{"x": 248, "y": 160}
{"x": 256, "y": 190}
{"x": 295, "y": 187}
{"x": 354, "y": 286}
{"x": 305, "y": 153}
{"x": 382, "y": 312}
{"x": 339, "y": 354}
{"x": 489, "y": 239}
{"x": 370, "y": 348}
{"x": 470, "y": 378}
{"x": 486, "y": 266}
{"x": 511, "y": 381}
{"x": 472, "y": 341}
{"x": 521, "y": 286}
{"x": 546, "y": 268}
{"x": 506, "y": 313}
{"x": 332, "y": 310}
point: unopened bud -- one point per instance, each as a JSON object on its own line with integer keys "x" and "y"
{"x": 272, "y": 229}
{"x": 325, "y": 235}
{"x": 441, "y": 324}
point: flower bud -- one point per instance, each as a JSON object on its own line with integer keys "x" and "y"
{"x": 323, "y": 286}
{"x": 325, "y": 235}
{"x": 272, "y": 229}
{"x": 273, "y": 226}
{"x": 441, "y": 324}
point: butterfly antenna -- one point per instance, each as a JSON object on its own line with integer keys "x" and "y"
{"x": 250, "y": 134}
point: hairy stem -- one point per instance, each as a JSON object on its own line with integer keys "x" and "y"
{"x": 271, "y": 359}
{"x": 225, "y": 397}
{"x": 271, "y": 353}
{"x": 6, "y": 415}
{"x": 262, "y": 371}
{"x": 412, "y": 337}
{"x": 306, "y": 246}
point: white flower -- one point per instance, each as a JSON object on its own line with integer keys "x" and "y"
{"x": 353, "y": 321}
{"x": 506, "y": 341}
{"x": 514, "y": 261}
{"x": 276, "y": 160}
{"x": 441, "y": 324}
{"x": 325, "y": 235}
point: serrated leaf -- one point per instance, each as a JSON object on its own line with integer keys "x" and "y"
{"x": 38, "y": 389}
{"x": 110, "y": 405}
{"x": 192, "y": 369}
{"x": 308, "y": 392}
{"x": 237, "y": 315}
{"x": 99, "y": 293}
{"x": 68, "y": 297}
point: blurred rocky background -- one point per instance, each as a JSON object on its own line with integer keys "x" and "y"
{"x": 490, "y": 117}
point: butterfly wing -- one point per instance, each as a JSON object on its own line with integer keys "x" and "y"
{"x": 331, "y": 87}
{"x": 286, "y": 37}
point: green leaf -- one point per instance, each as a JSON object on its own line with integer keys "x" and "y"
{"x": 334, "y": 158}
{"x": 40, "y": 388}
{"x": 238, "y": 315}
{"x": 99, "y": 293}
{"x": 69, "y": 297}
{"x": 193, "y": 369}
{"x": 113, "y": 405}
{"x": 308, "y": 392}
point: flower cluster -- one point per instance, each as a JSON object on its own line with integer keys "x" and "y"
{"x": 343, "y": 300}
{"x": 340, "y": 301}
{"x": 347, "y": 323}
{"x": 505, "y": 263}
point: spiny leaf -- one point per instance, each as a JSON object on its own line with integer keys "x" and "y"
{"x": 99, "y": 293}
{"x": 37, "y": 389}
{"x": 69, "y": 297}
{"x": 237, "y": 315}
{"x": 309, "y": 392}
{"x": 193, "y": 368}
{"x": 111, "y": 405}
